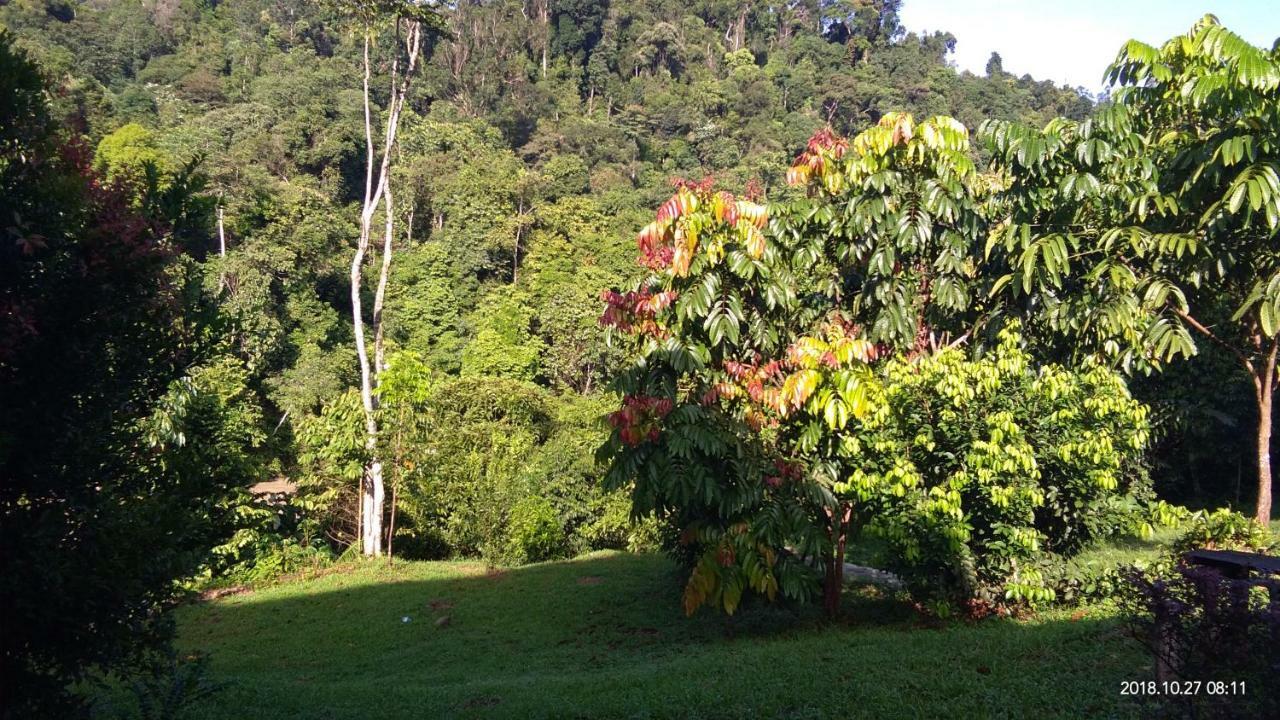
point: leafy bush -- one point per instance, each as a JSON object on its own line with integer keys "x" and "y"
{"x": 1223, "y": 530}
{"x": 278, "y": 556}
{"x": 534, "y": 533}
{"x": 331, "y": 459}
{"x": 1203, "y": 627}
{"x": 498, "y": 468}
{"x": 460, "y": 478}
{"x": 979, "y": 472}
{"x": 164, "y": 687}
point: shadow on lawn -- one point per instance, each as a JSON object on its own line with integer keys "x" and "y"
{"x": 609, "y": 629}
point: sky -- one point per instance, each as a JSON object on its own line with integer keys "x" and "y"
{"x": 1073, "y": 41}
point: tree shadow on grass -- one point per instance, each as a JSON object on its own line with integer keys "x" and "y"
{"x": 604, "y": 636}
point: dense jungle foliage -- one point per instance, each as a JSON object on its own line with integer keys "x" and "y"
{"x": 180, "y": 193}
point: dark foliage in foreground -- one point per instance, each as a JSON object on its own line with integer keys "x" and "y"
{"x": 1219, "y": 631}
{"x": 103, "y": 503}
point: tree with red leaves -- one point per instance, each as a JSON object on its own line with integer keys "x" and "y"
{"x": 756, "y": 333}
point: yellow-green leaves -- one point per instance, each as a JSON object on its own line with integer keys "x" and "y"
{"x": 989, "y": 464}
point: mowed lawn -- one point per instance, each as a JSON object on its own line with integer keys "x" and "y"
{"x": 603, "y": 636}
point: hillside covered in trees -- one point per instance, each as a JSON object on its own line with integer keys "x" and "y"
{"x": 534, "y": 143}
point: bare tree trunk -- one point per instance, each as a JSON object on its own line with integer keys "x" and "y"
{"x": 1263, "y": 374}
{"x": 833, "y": 583}
{"x": 740, "y": 28}
{"x": 1264, "y": 389}
{"x": 373, "y": 490}
{"x": 546, "y": 34}
{"x": 372, "y": 475}
{"x": 222, "y": 251}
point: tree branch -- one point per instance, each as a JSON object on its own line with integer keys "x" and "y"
{"x": 1203, "y": 330}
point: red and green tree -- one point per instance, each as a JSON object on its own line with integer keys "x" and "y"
{"x": 804, "y": 378}
{"x": 756, "y": 343}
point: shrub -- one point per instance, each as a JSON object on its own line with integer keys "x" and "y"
{"x": 502, "y": 469}
{"x": 979, "y": 472}
{"x": 277, "y": 557}
{"x": 331, "y": 459}
{"x": 462, "y": 476}
{"x": 1223, "y": 529}
{"x": 534, "y": 533}
{"x": 163, "y": 687}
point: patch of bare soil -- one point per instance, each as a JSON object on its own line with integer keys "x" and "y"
{"x": 222, "y": 592}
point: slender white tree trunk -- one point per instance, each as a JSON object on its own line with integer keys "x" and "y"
{"x": 372, "y": 486}
{"x": 373, "y": 469}
{"x": 222, "y": 252}
{"x": 546, "y": 34}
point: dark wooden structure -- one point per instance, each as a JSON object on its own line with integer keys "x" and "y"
{"x": 1235, "y": 564}
{"x": 1238, "y": 566}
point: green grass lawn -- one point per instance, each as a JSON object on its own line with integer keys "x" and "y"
{"x": 603, "y": 636}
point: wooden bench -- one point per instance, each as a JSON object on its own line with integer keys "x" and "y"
{"x": 1235, "y": 564}
{"x": 1238, "y": 566}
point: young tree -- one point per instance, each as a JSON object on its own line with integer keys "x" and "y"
{"x": 1156, "y": 221}
{"x": 756, "y": 353}
{"x": 409, "y": 21}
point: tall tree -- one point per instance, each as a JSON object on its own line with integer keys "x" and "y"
{"x": 1156, "y": 222}
{"x": 408, "y": 22}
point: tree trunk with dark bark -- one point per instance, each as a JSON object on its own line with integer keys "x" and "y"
{"x": 1264, "y": 449}
{"x": 833, "y": 581}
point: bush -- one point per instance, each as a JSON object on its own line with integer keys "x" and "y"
{"x": 275, "y": 557}
{"x": 462, "y": 475}
{"x": 1205, "y": 628}
{"x": 997, "y": 469}
{"x": 502, "y": 469}
{"x": 1223, "y": 530}
{"x": 163, "y": 687}
{"x": 534, "y": 533}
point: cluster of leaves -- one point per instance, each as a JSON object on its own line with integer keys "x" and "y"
{"x": 981, "y": 474}
{"x": 803, "y": 389}
{"x": 481, "y": 466}
{"x": 697, "y": 464}
{"x": 892, "y": 220}
{"x": 1223, "y": 529}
